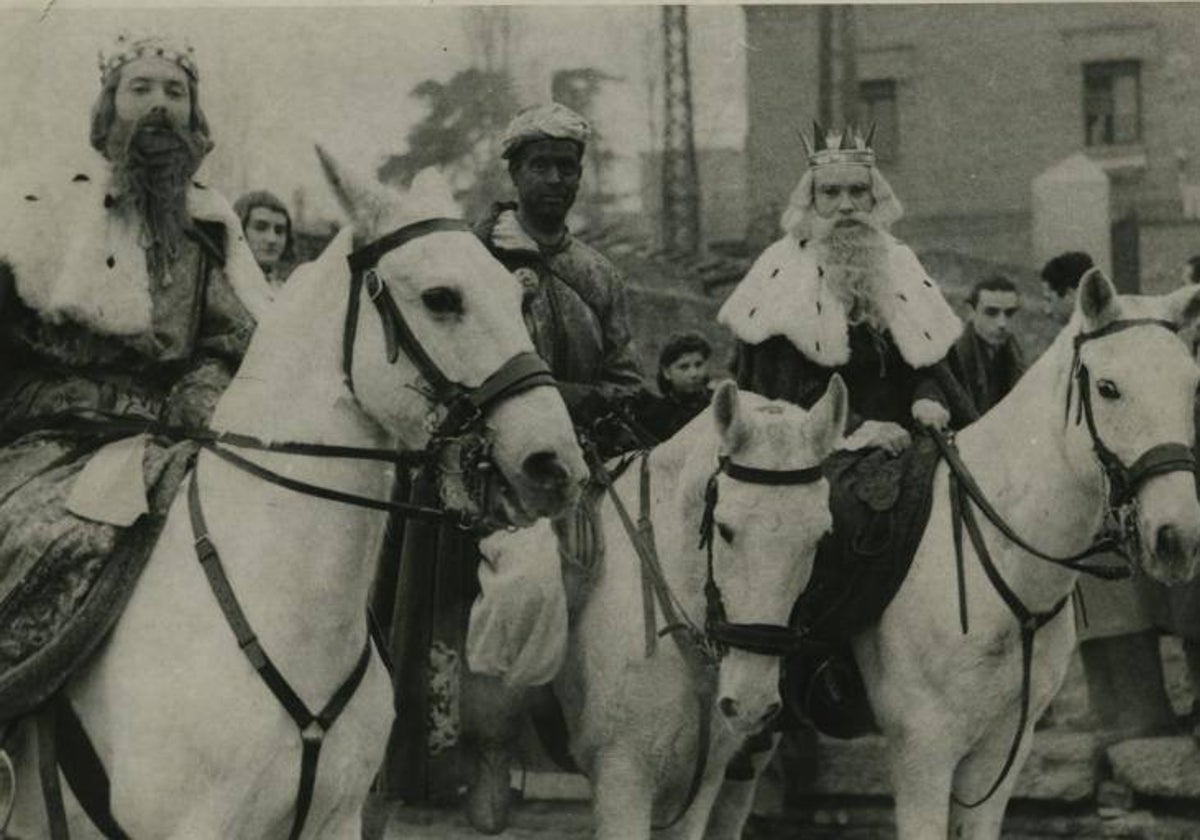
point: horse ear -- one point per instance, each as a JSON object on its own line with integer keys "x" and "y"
{"x": 1097, "y": 297}
{"x": 828, "y": 416}
{"x": 727, "y": 414}
{"x": 1183, "y": 306}
{"x": 364, "y": 201}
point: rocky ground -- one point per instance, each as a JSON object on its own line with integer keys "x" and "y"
{"x": 1072, "y": 786}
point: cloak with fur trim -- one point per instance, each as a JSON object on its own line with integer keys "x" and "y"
{"x": 793, "y": 334}
{"x": 83, "y": 327}
{"x": 76, "y": 259}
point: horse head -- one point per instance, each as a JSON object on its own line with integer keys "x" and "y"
{"x": 1131, "y": 402}
{"x": 436, "y": 346}
{"x": 769, "y": 507}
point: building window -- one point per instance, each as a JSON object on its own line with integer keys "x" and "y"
{"x": 1112, "y": 103}
{"x": 877, "y": 107}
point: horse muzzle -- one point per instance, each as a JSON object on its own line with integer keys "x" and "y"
{"x": 1169, "y": 528}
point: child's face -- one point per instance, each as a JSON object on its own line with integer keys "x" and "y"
{"x": 688, "y": 374}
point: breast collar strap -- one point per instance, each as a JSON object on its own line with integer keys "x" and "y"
{"x": 465, "y": 405}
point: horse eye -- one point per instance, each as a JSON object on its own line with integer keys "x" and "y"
{"x": 1108, "y": 389}
{"x": 442, "y": 301}
{"x": 726, "y": 533}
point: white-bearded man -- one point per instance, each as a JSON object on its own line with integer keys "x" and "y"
{"x": 838, "y": 293}
{"x": 126, "y": 293}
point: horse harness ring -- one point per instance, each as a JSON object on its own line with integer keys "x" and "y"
{"x": 1123, "y": 482}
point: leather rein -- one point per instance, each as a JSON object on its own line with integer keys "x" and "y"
{"x": 703, "y": 647}
{"x": 1123, "y": 483}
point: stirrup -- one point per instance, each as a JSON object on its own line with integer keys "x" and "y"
{"x": 8, "y": 791}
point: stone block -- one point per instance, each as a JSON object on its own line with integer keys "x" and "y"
{"x": 1167, "y": 767}
{"x": 1061, "y": 766}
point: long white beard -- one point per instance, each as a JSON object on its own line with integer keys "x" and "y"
{"x": 854, "y": 262}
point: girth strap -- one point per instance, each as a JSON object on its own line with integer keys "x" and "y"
{"x": 312, "y": 726}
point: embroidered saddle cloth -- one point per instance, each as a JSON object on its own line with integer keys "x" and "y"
{"x": 880, "y": 507}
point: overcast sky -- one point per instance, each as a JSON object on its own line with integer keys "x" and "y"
{"x": 276, "y": 79}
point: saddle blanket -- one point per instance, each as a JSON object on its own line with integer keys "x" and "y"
{"x": 880, "y": 506}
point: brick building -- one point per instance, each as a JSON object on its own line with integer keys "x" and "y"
{"x": 974, "y": 101}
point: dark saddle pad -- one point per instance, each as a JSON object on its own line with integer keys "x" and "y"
{"x": 880, "y": 507}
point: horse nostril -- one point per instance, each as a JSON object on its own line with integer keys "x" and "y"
{"x": 728, "y": 707}
{"x": 546, "y": 469}
{"x": 1167, "y": 542}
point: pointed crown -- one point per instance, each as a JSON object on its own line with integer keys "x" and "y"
{"x": 128, "y": 48}
{"x": 848, "y": 146}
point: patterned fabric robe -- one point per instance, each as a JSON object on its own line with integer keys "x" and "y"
{"x": 54, "y": 367}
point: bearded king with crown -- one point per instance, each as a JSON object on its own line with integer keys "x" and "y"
{"x": 839, "y": 294}
{"x": 128, "y": 296}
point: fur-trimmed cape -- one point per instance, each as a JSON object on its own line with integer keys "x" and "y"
{"x": 785, "y": 294}
{"x": 74, "y": 258}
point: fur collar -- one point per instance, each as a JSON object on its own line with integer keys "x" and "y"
{"x": 784, "y": 293}
{"x": 74, "y": 259}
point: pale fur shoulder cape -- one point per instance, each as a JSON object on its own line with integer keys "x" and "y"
{"x": 785, "y": 294}
{"x": 74, "y": 259}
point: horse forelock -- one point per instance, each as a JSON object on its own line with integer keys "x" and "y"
{"x": 780, "y": 436}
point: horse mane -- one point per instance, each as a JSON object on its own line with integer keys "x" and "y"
{"x": 299, "y": 339}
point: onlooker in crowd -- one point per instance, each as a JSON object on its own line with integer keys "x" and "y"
{"x": 576, "y": 312}
{"x": 987, "y": 359}
{"x": 268, "y": 228}
{"x": 1118, "y": 643}
{"x": 682, "y": 385}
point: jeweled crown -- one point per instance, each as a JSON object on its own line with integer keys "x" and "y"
{"x": 127, "y": 48}
{"x": 847, "y": 146}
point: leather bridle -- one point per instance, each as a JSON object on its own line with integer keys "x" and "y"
{"x": 719, "y": 633}
{"x": 465, "y": 406}
{"x": 1123, "y": 481}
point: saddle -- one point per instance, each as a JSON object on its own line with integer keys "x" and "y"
{"x": 880, "y": 506}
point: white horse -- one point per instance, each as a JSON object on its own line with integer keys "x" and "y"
{"x": 636, "y": 717}
{"x": 949, "y": 702}
{"x": 194, "y": 743}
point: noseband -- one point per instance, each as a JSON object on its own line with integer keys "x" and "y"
{"x": 720, "y": 634}
{"x": 465, "y": 406}
{"x": 1124, "y": 481}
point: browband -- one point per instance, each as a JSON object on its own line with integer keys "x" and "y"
{"x": 369, "y": 255}
{"x": 777, "y": 478}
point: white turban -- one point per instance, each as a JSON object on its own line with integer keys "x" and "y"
{"x": 544, "y": 122}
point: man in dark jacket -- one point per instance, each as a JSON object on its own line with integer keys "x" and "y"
{"x": 987, "y": 359}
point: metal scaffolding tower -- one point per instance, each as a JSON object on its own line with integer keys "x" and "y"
{"x": 680, "y": 183}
